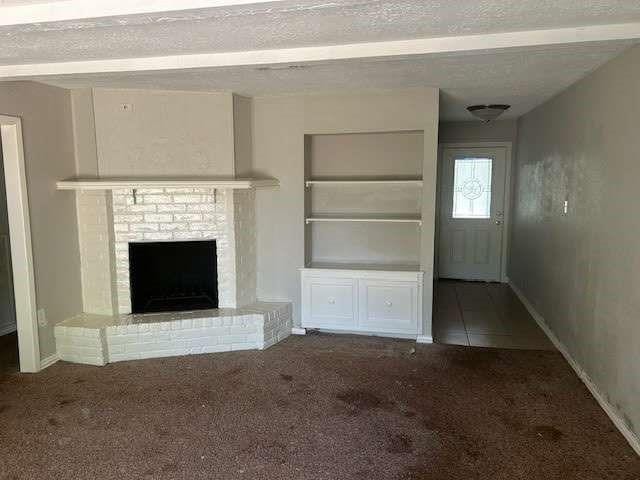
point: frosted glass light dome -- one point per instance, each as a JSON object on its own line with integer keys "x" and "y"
{"x": 487, "y": 113}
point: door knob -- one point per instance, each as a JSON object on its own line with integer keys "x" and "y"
{"x": 498, "y": 222}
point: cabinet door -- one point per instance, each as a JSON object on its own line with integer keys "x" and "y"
{"x": 329, "y": 303}
{"x": 388, "y": 306}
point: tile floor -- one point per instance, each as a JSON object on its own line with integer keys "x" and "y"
{"x": 484, "y": 315}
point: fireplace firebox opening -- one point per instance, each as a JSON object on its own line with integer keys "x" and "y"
{"x": 173, "y": 276}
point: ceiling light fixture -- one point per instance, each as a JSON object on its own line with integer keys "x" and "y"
{"x": 487, "y": 113}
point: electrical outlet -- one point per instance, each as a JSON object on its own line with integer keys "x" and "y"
{"x": 126, "y": 107}
{"x": 42, "y": 317}
{"x": 565, "y": 207}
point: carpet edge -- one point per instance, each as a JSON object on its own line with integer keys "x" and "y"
{"x": 611, "y": 412}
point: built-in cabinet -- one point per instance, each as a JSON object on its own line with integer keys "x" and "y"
{"x": 366, "y": 301}
{"x": 363, "y": 202}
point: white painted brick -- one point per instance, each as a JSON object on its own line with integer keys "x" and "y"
{"x": 188, "y": 236}
{"x": 243, "y": 329}
{"x": 187, "y": 199}
{"x": 188, "y": 336}
{"x": 115, "y": 348}
{"x": 144, "y": 227}
{"x": 216, "y": 348}
{"x": 212, "y": 217}
{"x": 128, "y": 218}
{"x": 158, "y": 217}
{"x": 233, "y": 339}
{"x": 158, "y": 236}
{"x": 173, "y": 227}
{"x": 201, "y": 226}
{"x": 171, "y": 208}
{"x": 141, "y": 208}
{"x": 201, "y": 207}
{"x": 155, "y": 199}
{"x": 124, "y": 238}
{"x": 187, "y": 217}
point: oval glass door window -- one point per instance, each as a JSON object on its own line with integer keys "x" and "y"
{"x": 472, "y": 188}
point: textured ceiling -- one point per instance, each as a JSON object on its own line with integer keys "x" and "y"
{"x": 523, "y": 78}
{"x": 288, "y": 23}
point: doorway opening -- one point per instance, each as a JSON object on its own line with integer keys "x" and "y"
{"x": 17, "y": 267}
{"x": 473, "y": 305}
{"x": 8, "y": 328}
{"x": 473, "y": 212}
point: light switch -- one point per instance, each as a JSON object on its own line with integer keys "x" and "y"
{"x": 565, "y": 207}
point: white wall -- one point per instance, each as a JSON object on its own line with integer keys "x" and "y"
{"x": 581, "y": 271}
{"x": 49, "y": 156}
{"x": 84, "y": 132}
{"x": 158, "y": 133}
{"x": 477, "y": 131}
{"x": 242, "y": 136}
{"x": 279, "y": 126}
{"x": 397, "y": 154}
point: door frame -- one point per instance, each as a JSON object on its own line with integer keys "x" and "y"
{"x": 508, "y": 146}
{"x": 24, "y": 286}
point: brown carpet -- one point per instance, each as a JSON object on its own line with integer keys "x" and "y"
{"x": 315, "y": 407}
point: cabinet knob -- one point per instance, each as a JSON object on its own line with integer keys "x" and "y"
{"x": 388, "y": 303}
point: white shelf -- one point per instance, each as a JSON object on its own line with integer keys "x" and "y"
{"x": 379, "y": 267}
{"x": 408, "y": 182}
{"x": 204, "y": 182}
{"x": 374, "y": 218}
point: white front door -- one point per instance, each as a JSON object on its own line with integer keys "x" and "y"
{"x": 471, "y": 213}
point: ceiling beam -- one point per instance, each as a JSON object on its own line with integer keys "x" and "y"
{"x": 63, "y": 10}
{"x": 401, "y": 48}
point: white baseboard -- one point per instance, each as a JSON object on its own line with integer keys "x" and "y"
{"x": 424, "y": 339}
{"x": 298, "y": 331}
{"x": 7, "y": 329}
{"x": 600, "y": 398}
{"x": 48, "y": 361}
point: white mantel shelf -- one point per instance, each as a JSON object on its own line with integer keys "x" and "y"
{"x": 201, "y": 182}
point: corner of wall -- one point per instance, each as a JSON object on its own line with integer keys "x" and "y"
{"x": 242, "y": 112}
{"x": 84, "y": 132}
{"x": 244, "y": 226}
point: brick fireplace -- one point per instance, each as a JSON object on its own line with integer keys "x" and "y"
{"x": 111, "y": 221}
{"x": 178, "y": 214}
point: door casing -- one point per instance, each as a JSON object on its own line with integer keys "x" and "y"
{"x": 507, "y": 199}
{"x": 24, "y": 286}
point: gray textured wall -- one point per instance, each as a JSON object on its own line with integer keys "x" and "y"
{"x": 581, "y": 271}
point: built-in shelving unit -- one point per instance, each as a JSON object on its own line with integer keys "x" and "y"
{"x": 363, "y": 198}
{"x": 363, "y": 204}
